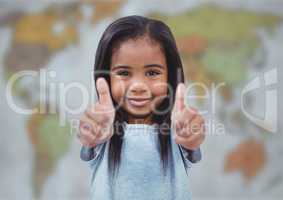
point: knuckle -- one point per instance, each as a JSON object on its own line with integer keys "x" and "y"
{"x": 88, "y": 113}
{"x": 98, "y": 134}
{"x": 96, "y": 131}
{"x": 93, "y": 107}
{"x": 91, "y": 110}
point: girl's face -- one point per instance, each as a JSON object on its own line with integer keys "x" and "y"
{"x": 138, "y": 77}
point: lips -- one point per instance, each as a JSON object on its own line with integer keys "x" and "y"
{"x": 139, "y": 102}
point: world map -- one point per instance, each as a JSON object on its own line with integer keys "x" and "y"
{"x": 217, "y": 43}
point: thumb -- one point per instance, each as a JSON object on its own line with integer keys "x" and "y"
{"x": 179, "y": 98}
{"x": 103, "y": 92}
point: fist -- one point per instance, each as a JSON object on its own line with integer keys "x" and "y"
{"x": 187, "y": 124}
{"x": 96, "y": 124}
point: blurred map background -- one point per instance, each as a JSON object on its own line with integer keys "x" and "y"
{"x": 220, "y": 41}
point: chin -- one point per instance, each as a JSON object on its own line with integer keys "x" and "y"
{"x": 139, "y": 113}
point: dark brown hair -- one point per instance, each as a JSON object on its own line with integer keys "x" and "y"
{"x": 133, "y": 27}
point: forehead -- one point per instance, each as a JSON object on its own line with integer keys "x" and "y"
{"x": 138, "y": 52}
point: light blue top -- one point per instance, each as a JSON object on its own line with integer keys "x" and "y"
{"x": 140, "y": 175}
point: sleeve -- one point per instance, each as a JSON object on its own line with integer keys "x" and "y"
{"x": 91, "y": 155}
{"x": 191, "y": 156}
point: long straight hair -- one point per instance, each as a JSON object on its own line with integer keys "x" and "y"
{"x": 133, "y": 27}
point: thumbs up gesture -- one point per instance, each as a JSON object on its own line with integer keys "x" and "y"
{"x": 96, "y": 125}
{"x": 187, "y": 124}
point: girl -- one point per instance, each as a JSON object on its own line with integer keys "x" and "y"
{"x": 139, "y": 138}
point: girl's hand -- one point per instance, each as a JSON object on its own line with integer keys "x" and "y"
{"x": 187, "y": 124}
{"x": 96, "y": 125}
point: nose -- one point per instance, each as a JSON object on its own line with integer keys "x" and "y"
{"x": 138, "y": 88}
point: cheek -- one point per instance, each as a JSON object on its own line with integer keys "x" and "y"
{"x": 159, "y": 89}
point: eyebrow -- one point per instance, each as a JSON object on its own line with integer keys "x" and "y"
{"x": 154, "y": 65}
{"x": 146, "y": 66}
{"x": 120, "y": 67}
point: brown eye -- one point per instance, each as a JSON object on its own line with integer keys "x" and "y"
{"x": 152, "y": 73}
{"x": 123, "y": 73}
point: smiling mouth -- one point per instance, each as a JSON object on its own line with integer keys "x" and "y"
{"x": 138, "y": 102}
